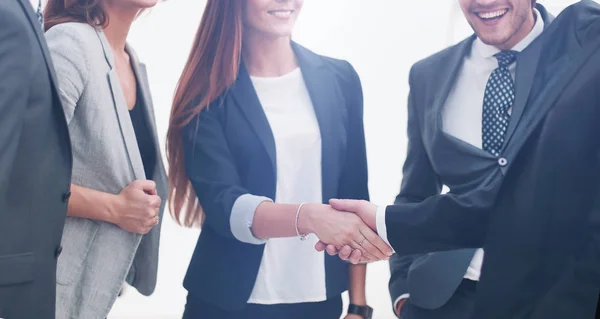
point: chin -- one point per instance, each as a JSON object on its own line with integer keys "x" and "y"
{"x": 278, "y": 33}
{"x": 145, "y": 4}
{"x": 494, "y": 40}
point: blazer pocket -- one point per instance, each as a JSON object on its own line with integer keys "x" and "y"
{"x": 78, "y": 237}
{"x": 16, "y": 269}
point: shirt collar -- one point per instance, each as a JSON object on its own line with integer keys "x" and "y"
{"x": 488, "y": 51}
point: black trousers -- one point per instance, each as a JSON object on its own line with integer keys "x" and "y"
{"x": 330, "y": 309}
{"x": 460, "y": 305}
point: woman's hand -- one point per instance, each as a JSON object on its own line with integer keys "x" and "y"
{"x": 136, "y": 208}
{"x": 341, "y": 229}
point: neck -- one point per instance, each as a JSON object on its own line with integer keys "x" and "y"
{"x": 120, "y": 19}
{"x": 521, "y": 34}
{"x": 268, "y": 56}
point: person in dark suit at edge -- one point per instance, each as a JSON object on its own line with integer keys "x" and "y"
{"x": 35, "y": 166}
{"x": 537, "y": 214}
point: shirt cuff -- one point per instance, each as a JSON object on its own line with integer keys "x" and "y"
{"x": 402, "y": 297}
{"x": 380, "y": 223}
{"x": 242, "y": 216}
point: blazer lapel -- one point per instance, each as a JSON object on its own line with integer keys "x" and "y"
{"x": 564, "y": 69}
{"x": 527, "y": 63}
{"x": 245, "y": 96}
{"x": 122, "y": 112}
{"x": 328, "y": 103}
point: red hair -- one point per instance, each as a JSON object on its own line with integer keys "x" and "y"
{"x": 211, "y": 69}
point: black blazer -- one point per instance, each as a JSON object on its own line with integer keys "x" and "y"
{"x": 35, "y": 166}
{"x": 541, "y": 254}
{"x": 230, "y": 151}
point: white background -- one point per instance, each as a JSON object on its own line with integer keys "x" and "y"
{"x": 381, "y": 38}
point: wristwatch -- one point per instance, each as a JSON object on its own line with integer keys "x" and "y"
{"x": 364, "y": 311}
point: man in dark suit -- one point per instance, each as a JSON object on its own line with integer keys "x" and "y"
{"x": 455, "y": 119}
{"x": 35, "y": 166}
{"x": 533, "y": 205}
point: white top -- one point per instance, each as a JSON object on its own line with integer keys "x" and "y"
{"x": 291, "y": 270}
{"x": 462, "y": 113}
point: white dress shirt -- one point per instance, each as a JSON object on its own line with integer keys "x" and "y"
{"x": 462, "y": 112}
{"x": 291, "y": 270}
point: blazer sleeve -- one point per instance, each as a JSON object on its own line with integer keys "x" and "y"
{"x": 15, "y": 70}
{"x": 67, "y": 48}
{"x": 422, "y": 220}
{"x": 354, "y": 179}
{"x": 210, "y": 166}
{"x": 419, "y": 181}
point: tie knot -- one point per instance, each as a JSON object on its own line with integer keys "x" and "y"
{"x": 506, "y": 58}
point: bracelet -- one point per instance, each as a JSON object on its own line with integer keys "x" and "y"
{"x": 302, "y": 236}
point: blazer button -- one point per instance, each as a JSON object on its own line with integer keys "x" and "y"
{"x": 58, "y": 251}
{"x": 502, "y": 161}
{"x": 66, "y": 196}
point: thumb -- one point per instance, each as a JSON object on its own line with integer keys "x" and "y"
{"x": 147, "y": 186}
{"x": 347, "y": 205}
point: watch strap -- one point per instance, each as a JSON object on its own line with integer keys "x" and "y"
{"x": 365, "y": 311}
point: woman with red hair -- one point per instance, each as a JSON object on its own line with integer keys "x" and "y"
{"x": 262, "y": 133}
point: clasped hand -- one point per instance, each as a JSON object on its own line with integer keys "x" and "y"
{"x": 346, "y": 228}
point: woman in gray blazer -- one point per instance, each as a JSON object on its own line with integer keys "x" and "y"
{"x": 119, "y": 183}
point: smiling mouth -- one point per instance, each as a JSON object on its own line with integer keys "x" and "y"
{"x": 281, "y": 13}
{"x": 491, "y": 15}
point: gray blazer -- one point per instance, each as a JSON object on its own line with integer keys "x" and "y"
{"x": 98, "y": 257}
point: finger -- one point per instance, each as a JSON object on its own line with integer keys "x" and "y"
{"x": 320, "y": 246}
{"x": 345, "y": 252}
{"x": 376, "y": 241}
{"x": 366, "y": 254}
{"x": 347, "y": 205}
{"x": 149, "y": 223}
{"x": 355, "y": 256}
{"x": 155, "y": 201}
{"x": 375, "y": 253}
{"x": 331, "y": 250}
{"x": 147, "y": 186}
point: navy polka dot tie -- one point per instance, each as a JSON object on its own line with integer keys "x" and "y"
{"x": 498, "y": 99}
{"x": 39, "y": 13}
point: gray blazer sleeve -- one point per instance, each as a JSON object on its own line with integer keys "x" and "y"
{"x": 67, "y": 49}
{"x": 419, "y": 182}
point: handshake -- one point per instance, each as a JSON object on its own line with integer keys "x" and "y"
{"x": 346, "y": 228}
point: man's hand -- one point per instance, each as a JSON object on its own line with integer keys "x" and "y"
{"x": 340, "y": 229}
{"x": 353, "y": 316}
{"x": 365, "y": 210}
{"x": 399, "y": 306}
{"x": 137, "y": 206}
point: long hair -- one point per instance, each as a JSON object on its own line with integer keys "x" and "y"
{"x": 211, "y": 69}
{"x": 85, "y": 11}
